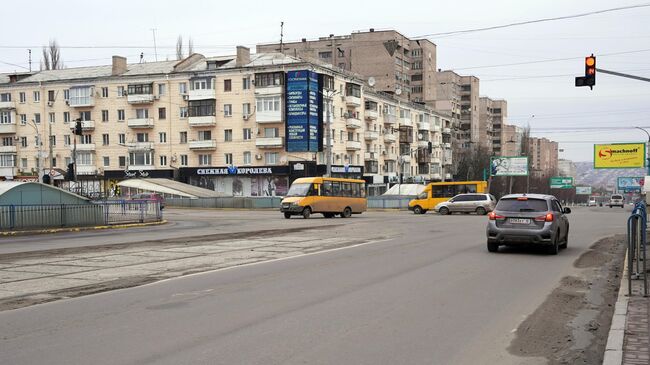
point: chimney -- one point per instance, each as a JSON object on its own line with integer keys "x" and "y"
{"x": 119, "y": 65}
{"x": 372, "y": 30}
{"x": 243, "y": 56}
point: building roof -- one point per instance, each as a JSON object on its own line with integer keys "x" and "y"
{"x": 171, "y": 187}
{"x": 91, "y": 72}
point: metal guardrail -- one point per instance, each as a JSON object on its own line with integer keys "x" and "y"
{"x": 273, "y": 202}
{"x": 637, "y": 226}
{"x": 42, "y": 216}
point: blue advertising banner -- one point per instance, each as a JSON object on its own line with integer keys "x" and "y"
{"x": 302, "y": 103}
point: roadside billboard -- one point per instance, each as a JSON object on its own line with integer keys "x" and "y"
{"x": 619, "y": 155}
{"x": 509, "y": 166}
{"x": 561, "y": 182}
{"x": 630, "y": 183}
{"x": 302, "y": 109}
{"x": 583, "y": 190}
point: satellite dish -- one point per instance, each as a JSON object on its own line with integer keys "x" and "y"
{"x": 420, "y": 136}
{"x": 371, "y": 81}
{"x": 398, "y": 91}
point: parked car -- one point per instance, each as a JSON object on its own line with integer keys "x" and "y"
{"x": 616, "y": 200}
{"x": 149, "y": 197}
{"x": 480, "y": 204}
{"x": 528, "y": 219}
{"x": 592, "y": 202}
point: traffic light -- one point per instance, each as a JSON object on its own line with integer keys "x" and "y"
{"x": 430, "y": 147}
{"x": 78, "y": 130}
{"x": 590, "y": 73}
{"x": 69, "y": 175}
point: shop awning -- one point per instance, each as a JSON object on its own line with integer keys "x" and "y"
{"x": 171, "y": 187}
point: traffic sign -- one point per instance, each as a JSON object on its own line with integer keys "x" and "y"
{"x": 561, "y": 182}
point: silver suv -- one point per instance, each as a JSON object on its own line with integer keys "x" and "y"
{"x": 528, "y": 218}
{"x": 467, "y": 203}
{"x": 616, "y": 200}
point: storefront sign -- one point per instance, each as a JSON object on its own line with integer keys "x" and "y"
{"x": 137, "y": 174}
{"x": 234, "y": 170}
{"x": 347, "y": 169}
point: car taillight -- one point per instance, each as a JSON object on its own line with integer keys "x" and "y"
{"x": 545, "y": 218}
{"x": 493, "y": 216}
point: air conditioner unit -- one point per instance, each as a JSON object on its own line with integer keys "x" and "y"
{"x": 246, "y": 116}
{"x": 384, "y": 152}
{"x": 50, "y": 103}
{"x": 100, "y": 170}
{"x": 156, "y": 97}
{"x": 21, "y": 170}
{"x": 186, "y": 97}
{"x": 67, "y": 102}
{"x": 258, "y": 157}
{"x": 173, "y": 158}
{"x": 252, "y": 81}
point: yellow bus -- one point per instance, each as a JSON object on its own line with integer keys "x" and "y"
{"x": 439, "y": 192}
{"x": 326, "y": 195}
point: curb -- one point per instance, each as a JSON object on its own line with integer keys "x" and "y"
{"x": 614, "y": 347}
{"x": 79, "y": 229}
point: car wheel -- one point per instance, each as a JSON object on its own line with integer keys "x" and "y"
{"x": 306, "y": 212}
{"x": 443, "y": 211}
{"x": 417, "y": 209}
{"x": 347, "y": 212}
{"x": 554, "y": 248}
{"x": 287, "y": 215}
{"x": 493, "y": 246}
{"x": 481, "y": 211}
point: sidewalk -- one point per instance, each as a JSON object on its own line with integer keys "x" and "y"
{"x": 636, "y": 343}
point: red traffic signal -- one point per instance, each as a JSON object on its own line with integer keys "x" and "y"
{"x": 590, "y": 73}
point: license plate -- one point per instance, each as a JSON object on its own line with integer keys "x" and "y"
{"x": 519, "y": 221}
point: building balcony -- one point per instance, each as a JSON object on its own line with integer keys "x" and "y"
{"x": 202, "y": 94}
{"x": 9, "y": 128}
{"x": 423, "y": 144}
{"x": 436, "y": 128}
{"x": 83, "y": 147}
{"x": 446, "y": 130}
{"x": 406, "y": 121}
{"x": 390, "y": 119}
{"x": 86, "y": 125}
{"x": 140, "y": 98}
{"x": 269, "y": 142}
{"x": 370, "y": 156}
{"x": 140, "y": 167}
{"x": 353, "y": 145}
{"x": 389, "y": 156}
{"x": 203, "y": 121}
{"x": 353, "y": 123}
{"x": 83, "y": 102}
{"x": 140, "y": 146}
{"x": 390, "y": 138}
{"x": 270, "y": 90}
{"x": 371, "y": 114}
{"x": 331, "y": 142}
{"x": 7, "y": 105}
{"x": 140, "y": 123}
{"x": 436, "y": 176}
{"x": 447, "y": 161}
{"x": 268, "y": 117}
{"x": 86, "y": 170}
{"x": 435, "y": 160}
{"x": 446, "y": 146}
{"x": 8, "y": 171}
{"x": 371, "y": 135}
{"x": 352, "y": 100}
{"x": 424, "y": 126}
{"x": 208, "y": 144}
{"x": 7, "y": 149}
{"x": 405, "y": 158}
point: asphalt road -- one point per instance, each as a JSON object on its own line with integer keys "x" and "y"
{"x": 428, "y": 293}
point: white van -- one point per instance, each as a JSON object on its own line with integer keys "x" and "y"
{"x": 616, "y": 200}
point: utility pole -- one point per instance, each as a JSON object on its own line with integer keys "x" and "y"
{"x": 30, "y": 60}
{"x": 51, "y": 154}
{"x": 155, "y": 52}
{"x": 328, "y": 137}
{"x": 282, "y": 37}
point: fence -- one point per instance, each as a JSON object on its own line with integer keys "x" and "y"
{"x": 273, "y": 202}
{"x": 25, "y": 217}
{"x": 637, "y": 226}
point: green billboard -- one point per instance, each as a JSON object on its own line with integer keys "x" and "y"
{"x": 561, "y": 182}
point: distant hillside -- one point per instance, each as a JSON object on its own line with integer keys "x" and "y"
{"x": 586, "y": 175}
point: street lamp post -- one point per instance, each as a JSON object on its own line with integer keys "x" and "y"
{"x": 647, "y": 149}
{"x": 39, "y": 159}
{"x": 328, "y": 131}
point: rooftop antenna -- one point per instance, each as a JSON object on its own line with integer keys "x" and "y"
{"x": 281, "y": 37}
{"x": 30, "y": 60}
{"x": 155, "y": 49}
{"x": 141, "y": 57}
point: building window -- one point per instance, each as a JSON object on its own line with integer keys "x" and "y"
{"x": 268, "y": 104}
{"x": 182, "y": 88}
{"x": 22, "y": 98}
{"x": 352, "y": 90}
{"x": 247, "y": 134}
{"x": 325, "y": 55}
{"x": 104, "y": 92}
{"x": 205, "y": 135}
{"x": 9, "y": 141}
{"x": 66, "y": 140}
{"x": 271, "y": 158}
{"x": 162, "y": 113}
{"x": 7, "y": 160}
{"x": 247, "y": 158}
{"x": 23, "y": 141}
{"x": 107, "y": 161}
{"x": 66, "y": 117}
{"x": 37, "y": 118}
{"x": 104, "y": 115}
{"x": 105, "y": 139}
{"x": 246, "y": 83}
{"x": 66, "y": 94}
{"x": 5, "y": 97}
{"x": 163, "y": 160}
{"x": 271, "y": 132}
{"x": 142, "y": 137}
{"x": 141, "y": 158}
{"x": 228, "y": 135}
{"x": 183, "y": 137}
{"x": 205, "y": 160}
{"x": 228, "y": 158}
{"x": 269, "y": 79}
{"x": 37, "y": 96}
{"x": 23, "y": 163}
{"x": 202, "y": 108}
{"x": 162, "y": 89}
{"x": 120, "y": 91}
{"x": 23, "y": 119}
{"x": 84, "y": 158}
{"x": 86, "y": 115}
{"x": 50, "y": 96}
{"x": 182, "y": 112}
{"x": 140, "y": 89}
{"x": 142, "y": 113}
{"x": 122, "y": 161}
{"x": 5, "y": 117}
{"x": 121, "y": 138}
{"x": 227, "y": 85}
{"x": 183, "y": 160}
{"x": 162, "y": 137}
{"x": 86, "y": 139}
{"x": 121, "y": 115}
{"x": 81, "y": 95}
{"x": 202, "y": 84}
{"x": 227, "y": 110}
{"x": 246, "y": 109}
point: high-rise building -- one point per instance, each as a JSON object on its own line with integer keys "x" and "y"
{"x": 510, "y": 142}
{"x": 398, "y": 64}
{"x": 567, "y": 168}
{"x": 459, "y": 96}
{"x": 543, "y": 155}
{"x": 493, "y": 115}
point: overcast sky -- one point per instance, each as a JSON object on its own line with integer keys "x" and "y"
{"x": 545, "y": 89}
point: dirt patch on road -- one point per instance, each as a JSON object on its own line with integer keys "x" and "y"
{"x": 572, "y": 324}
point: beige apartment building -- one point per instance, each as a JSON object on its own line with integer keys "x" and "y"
{"x": 492, "y": 116}
{"x": 543, "y": 155}
{"x": 510, "y": 142}
{"x": 399, "y": 65}
{"x": 215, "y": 122}
{"x": 459, "y": 96}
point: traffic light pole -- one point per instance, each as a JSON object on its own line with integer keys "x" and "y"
{"x": 623, "y": 75}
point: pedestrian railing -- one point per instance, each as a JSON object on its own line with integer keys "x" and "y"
{"x": 637, "y": 226}
{"x": 43, "y": 216}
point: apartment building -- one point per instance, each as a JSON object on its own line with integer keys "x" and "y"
{"x": 224, "y": 123}
{"x": 543, "y": 155}
{"x": 459, "y": 96}
{"x": 399, "y": 65}
{"x": 492, "y": 116}
{"x": 567, "y": 168}
{"x": 510, "y": 142}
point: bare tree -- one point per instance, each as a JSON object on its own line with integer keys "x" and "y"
{"x": 52, "y": 57}
{"x": 179, "y": 48}
{"x": 190, "y": 46}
